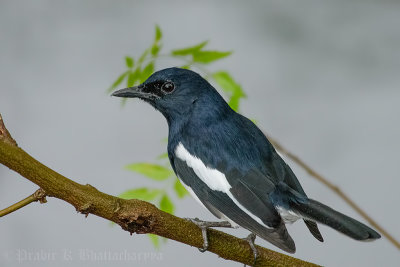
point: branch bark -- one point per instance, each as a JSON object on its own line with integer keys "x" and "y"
{"x": 133, "y": 215}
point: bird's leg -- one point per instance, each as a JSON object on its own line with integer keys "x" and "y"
{"x": 250, "y": 239}
{"x": 204, "y": 225}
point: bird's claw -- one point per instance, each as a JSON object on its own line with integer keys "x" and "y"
{"x": 250, "y": 239}
{"x": 204, "y": 225}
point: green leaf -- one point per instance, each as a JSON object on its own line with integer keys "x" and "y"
{"x": 227, "y": 83}
{"x": 158, "y": 34}
{"x": 153, "y": 171}
{"x": 209, "y": 56}
{"x": 155, "y": 239}
{"x": 185, "y": 67}
{"x": 163, "y": 156}
{"x": 143, "y": 56}
{"x": 142, "y": 193}
{"x": 133, "y": 77}
{"x": 234, "y": 102}
{"x": 155, "y": 49}
{"x": 180, "y": 191}
{"x": 118, "y": 81}
{"x": 129, "y": 62}
{"x": 188, "y": 50}
{"x": 166, "y": 204}
{"x": 147, "y": 71}
{"x": 230, "y": 86}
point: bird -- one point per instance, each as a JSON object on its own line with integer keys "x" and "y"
{"x": 228, "y": 165}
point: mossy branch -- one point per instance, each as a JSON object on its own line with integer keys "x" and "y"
{"x": 134, "y": 216}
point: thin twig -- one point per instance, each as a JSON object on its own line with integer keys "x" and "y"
{"x": 39, "y": 195}
{"x": 335, "y": 189}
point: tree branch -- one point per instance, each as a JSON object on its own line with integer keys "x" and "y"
{"x": 335, "y": 189}
{"x": 134, "y": 216}
{"x": 39, "y": 195}
{"x": 4, "y": 134}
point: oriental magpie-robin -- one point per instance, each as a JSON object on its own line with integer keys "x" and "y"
{"x": 226, "y": 162}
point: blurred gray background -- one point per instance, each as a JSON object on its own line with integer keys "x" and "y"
{"x": 321, "y": 77}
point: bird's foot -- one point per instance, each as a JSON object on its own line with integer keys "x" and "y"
{"x": 204, "y": 225}
{"x": 250, "y": 239}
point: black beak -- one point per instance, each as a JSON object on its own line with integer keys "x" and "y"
{"x": 130, "y": 92}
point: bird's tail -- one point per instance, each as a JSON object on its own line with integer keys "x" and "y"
{"x": 318, "y": 212}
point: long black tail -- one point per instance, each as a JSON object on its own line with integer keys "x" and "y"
{"x": 316, "y": 211}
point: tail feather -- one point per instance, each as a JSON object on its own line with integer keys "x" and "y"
{"x": 318, "y": 212}
{"x": 313, "y": 227}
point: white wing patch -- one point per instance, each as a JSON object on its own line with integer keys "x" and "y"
{"x": 213, "y": 178}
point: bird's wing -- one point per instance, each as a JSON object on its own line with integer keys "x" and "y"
{"x": 226, "y": 195}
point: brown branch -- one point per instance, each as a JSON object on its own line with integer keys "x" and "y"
{"x": 39, "y": 195}
{"x": 4, "y": 134}
{"x": 133, "y": 215}
{"x": 335, "y": 189}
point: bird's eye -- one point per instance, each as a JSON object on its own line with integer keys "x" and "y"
{"x": 168, "y": 87}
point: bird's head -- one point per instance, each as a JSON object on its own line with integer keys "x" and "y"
{"x": 173, "y": 91}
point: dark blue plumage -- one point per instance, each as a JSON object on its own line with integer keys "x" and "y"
{"x": 229, "y": 164}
